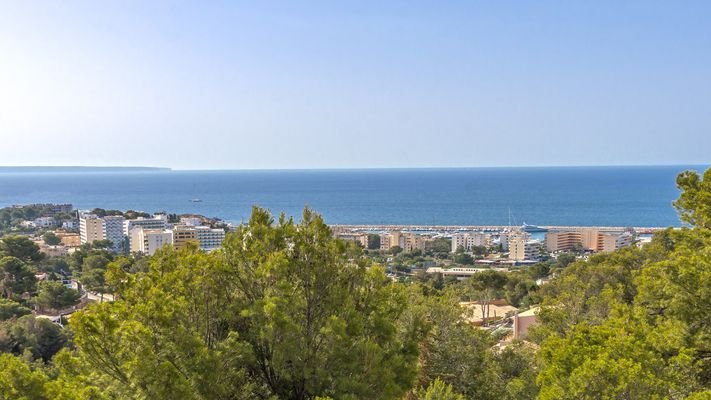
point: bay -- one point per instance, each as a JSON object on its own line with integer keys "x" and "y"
{"x": 585, "y": 196}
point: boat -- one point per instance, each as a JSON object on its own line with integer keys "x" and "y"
{"x": 532, "y": 228}
{"x": 196, "y": 200}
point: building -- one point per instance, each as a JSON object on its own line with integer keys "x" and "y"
{"x": 191, "y": 221}
{"x": 412, "y": 242}
{"x": 70, "y": 224}
{"x": 457, "y": 272}
{"x": 563, "y": 241}
{"x": 50, "y": 210}
{"x": 69, "y": 239}
{"x": 506, "y": 237}
{"x": 184, "y": 234}
{"x": 521, "y": 248}
{"x": 210, "y": 238}
{"x": 406, "y": 241}
{"x": 45, "y": 222}
{"x": 385, "y": 244}
{"x": 469, "y": 240}
{"x": 360, "y": 238}
{"x": 53, "y": 251}
{"x": 113, "y": 226}
{"x": 523, "y": 321}
{"x": 608, "y": 242}
{"x": 158, "y": 221}
{"x": 148, "y": 241}
{"x": 54, "y": 209}
{"x": 93, "y": 228}
{"x": 479, "y": 314}
{"x": 590, "y": 239}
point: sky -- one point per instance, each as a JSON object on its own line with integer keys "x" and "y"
{"x": 354, "y": 84}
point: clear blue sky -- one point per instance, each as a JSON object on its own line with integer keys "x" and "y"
{"x": 342, "y": 84}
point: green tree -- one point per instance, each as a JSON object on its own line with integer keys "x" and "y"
{"x": 565, "y": 259}
{"x": 453, "y": 350}
{"x": 55, "y": 295}
{"x": 620, "y": 359}
{"x": 516, "y": 369}
{"x": 18, "y": 381}
{"x": 37, "y": 337}
{"x": 437, "y": 390}
{"x": 283, "y": 310}
{"x": 694, "y": 202}
{"x": 373, "y": 241}
{"x": 20, "y": 247}
{"x": 16, "y": 278}
{"x": 11, "y": 309}
{"x": 439, "y": 245}
{"x": 484, "y": 287}
{"x": 464, "y": 259}
{"x": 634, "y": 323}
{"x": 50, "y": 238}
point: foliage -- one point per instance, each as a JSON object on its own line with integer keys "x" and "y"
{"x": 20, "y": 247}
{"x": 11, "y": 309}
{"x": 55, "y": 295}
{"x": 51, "y": 239}
{"x": 17, "y": 381}
{"x": 439, "y": 245}
{"x": 621, "y": 358}
{"x": 16, "y": 279}
{"x": 634, "y": 323}
{"x": 694, "y": 203}
{"x": 464, "y": 259}
{"x": 34, "y": 338}
{"x": 284, "y": 310}
{"x": 437, "y": 390}
{"x": 373, "y": 241}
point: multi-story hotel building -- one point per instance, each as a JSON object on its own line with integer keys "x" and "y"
{"x": 93, "y": 228}
{"x": 148, "y": 241}
{"x": 158, "y": 221}
{"x": 209, "y": 238}
{"x": 590, "y": 239}
{"x": 469, "y": 240}
{"x": 521, "y": 248}
{"x": 184, "y": 234}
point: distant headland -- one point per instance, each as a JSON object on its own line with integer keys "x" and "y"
{"x": 83, "y": 169}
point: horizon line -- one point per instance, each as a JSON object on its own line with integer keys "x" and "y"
{"x": 172, "y": 169}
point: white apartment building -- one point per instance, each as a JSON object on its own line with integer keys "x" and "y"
{"x": 44, "y": 222}
{"x": 113, "y": 227}
{"x": 158, "y": 221}
{"x": 469, "y": 240}
{"x": 191, "y": 221}
{"x": 148, "y": 241}
{"x": 209, "y": 238}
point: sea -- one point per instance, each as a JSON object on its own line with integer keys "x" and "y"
{"x": 639, "y": 196}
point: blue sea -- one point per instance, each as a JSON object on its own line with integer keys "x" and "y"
{"x": 609, "y": 196}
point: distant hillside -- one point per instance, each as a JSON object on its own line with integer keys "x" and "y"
{"x": 35, "y": 169}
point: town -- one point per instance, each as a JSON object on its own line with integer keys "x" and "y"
{"x": 409, "y": 253}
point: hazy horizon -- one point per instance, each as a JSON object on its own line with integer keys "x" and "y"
{"x": 168, "y": 168}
